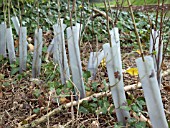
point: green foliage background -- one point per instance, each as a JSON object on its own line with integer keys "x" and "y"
{"x": 48, "y": 13}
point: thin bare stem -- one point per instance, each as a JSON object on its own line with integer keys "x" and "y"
{"x": 74, "y": 9}
{"x": 38, "y": 20}
{"x": 108, "y": 30}
{"x": 9, "y": 20}
{"x": 160, "y": 43}
{"x": 72, "y": 107}
{"x": 118, "y": 11}
{"x": 157, "y": 13}
{"x": 71, "y": 23}
{"x": 58, "y": 2}
{"x": 20, "y": 17}
{"x": 4, "y": 10}
{"x": 153, "y": 38}
{"x": 13, "y": 9}
{"x": 136, "y": 31}
{"x": 111, "y": 13}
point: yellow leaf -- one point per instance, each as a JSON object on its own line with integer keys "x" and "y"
{"x": 138, "y": 51}
{"x": 88, "y": 93}
{"x": 63, "y": 100}
{"x": 103, "y": 62}
{"x": 132, "y": 71}
{"x": 80, "y": 6}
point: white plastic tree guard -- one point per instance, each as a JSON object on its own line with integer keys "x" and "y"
{"x": 94, "y": 62}
{"x": 154, "y": 45}
{"x": 16, "y": 25}
{"x": 59, "y": 52}
{"x": 51, "y": 48}
{"x": 3, "y": 39}
{"x": 36, "y": 65}
{"x": 151, "y": 92}
{"x": 10, "y": 45}
{"x": 74, "y": 56}
{"x": 114, "y": 69}
{"x": 22, "y": 48}
{"x": 116, "y": 82}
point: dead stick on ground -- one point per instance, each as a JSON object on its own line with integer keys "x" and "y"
{"x": 96, "y": 95}
{"x": 74, "y": 103}
{"x": 142, "y": 118}
{"x": 31, "y": 117}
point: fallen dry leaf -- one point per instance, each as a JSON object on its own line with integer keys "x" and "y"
{"x": 64, "y": 100}
{"x": 95, "y": 124}
{"x": 1, "y": 94}
{"x": 138, "y": 51}
{"x": 29, "y": 39}
{"x": 31, "y": 47}
{"x": 88, "y": 93}
{"x": 167, "y": 88}
{"x": 16, "y": 43}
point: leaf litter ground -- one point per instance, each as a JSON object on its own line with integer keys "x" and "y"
{"x": 23, "y": 100}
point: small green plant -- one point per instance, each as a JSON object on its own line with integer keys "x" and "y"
{"x": 50, "y": 71}
{"x": 133, "y": 122}
{"x": 14, "y": 68}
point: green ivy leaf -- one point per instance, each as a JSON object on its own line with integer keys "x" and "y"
{"x": 127, "y": 108}
{"x": 36, "y": 110}
{"x": 94, "y": 85}
{"x": 87, "y": 88}
{"x": 14, "y": 71}
{"x": 111, "y": 109}
{"x": 37, "y": 92}
{"x": 1, "y": 57}
{"x": 94, "y": 105}
{"x": 83, "y": 110}
{"x": 94, "y": 99}
{"x": 135, "y": 108}
{"x": 103, "y": 110}
{"x": 2, "y": 76}
{"x": 86, "y": 75}
{"x": 69, "y": 84}
{"x": 85, "y": 104}
{"x": 118, "y": 125}
{"x": 19, "y": 77}
{"x": 140, "y": 103}
{"x": 169, "y": 123}
{"x": 154, "y": 52}
{"x": 140, "y": 125}
{"x": 58, "y": 91}
{"x": 132, "y": 121}
{"x": 6, "y": 84}
{"x": 129, "y": 101}
{"x": 51, "y": 85}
